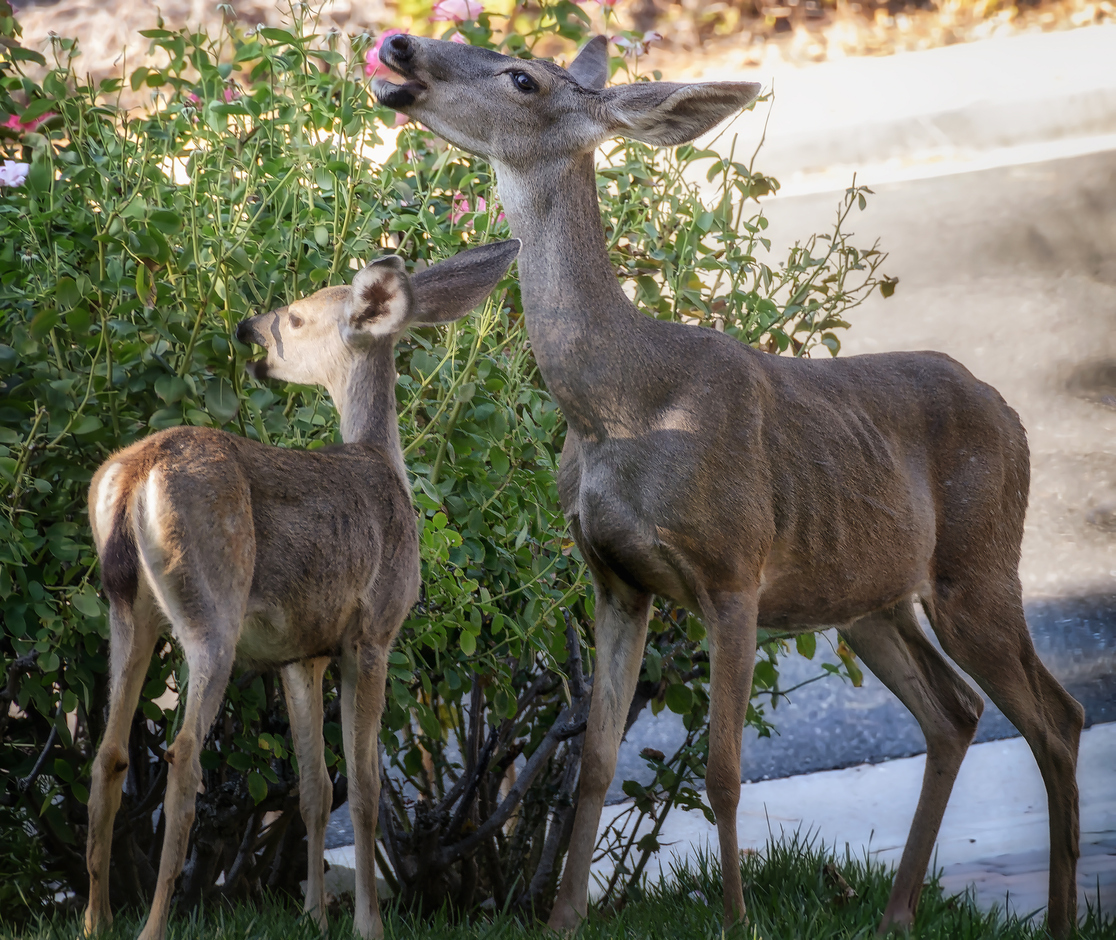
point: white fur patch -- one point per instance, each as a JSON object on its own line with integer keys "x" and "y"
{"x": 104, "y": 503}
{"x": 379, "y": 302}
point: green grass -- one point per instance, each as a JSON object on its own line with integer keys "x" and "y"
{"x": 788, "y": 892}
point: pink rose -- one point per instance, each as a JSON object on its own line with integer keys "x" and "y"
{"x": 372, "y": 64}
{"x": 457, "y": 37}
{"x": 192, "y": 99}
{"x": 231, "y": 94}
{"x": 456, "y": 11}
{"x": 458, "y": 207}
{"x": 13, "y": 122}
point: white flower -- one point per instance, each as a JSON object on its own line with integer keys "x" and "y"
{"x": 637, "y": 47}
{"x": 13, "y": 173}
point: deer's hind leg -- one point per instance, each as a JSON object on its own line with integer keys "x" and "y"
{"x": 980, "y": 624}
{"x": 893, "y": 646}
{"x": 202, "y": 586}
{"x": 134, "y": 628}
{"x": 302, "y": 686}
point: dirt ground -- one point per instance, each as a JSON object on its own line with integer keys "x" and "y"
{"x": 792, "y": 31}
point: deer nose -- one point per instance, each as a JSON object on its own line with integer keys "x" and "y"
{"x": 401, "y": 47}
{"x": 244, "y": 333}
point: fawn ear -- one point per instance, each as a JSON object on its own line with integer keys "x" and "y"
{"x": 667, "y": 114}
{"x": 448, "y": 290}
{"x": 380, "y": 301}
{"x": 590, "y": 68}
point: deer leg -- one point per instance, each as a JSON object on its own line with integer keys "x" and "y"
{"x": 893, "y": 646}
{"x": 302, "y": 686}
{"x": 210, "y": 650}
{"x": 363, "y": 677}
{"x": 134, "y": 630}
{"x": 732, "y": 654}
{"x": 985, "y": 632}
{"x": 621, "y": 629}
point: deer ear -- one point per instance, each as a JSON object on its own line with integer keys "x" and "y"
{"x": 590, "y": 68}
{"x": 666, "y": 114}
{"x": 448, "y": 290}
{"x": 380, "y": 301}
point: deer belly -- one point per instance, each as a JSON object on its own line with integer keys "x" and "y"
{"x": 840, "y": 579}
{"x": 273, "y": 637}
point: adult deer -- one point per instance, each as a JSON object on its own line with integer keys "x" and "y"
{"x": 751, "y": 488}
{"x": 275, "y": 558}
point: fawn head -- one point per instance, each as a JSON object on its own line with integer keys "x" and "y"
{"x": 316, "y": 340}
{"x": 519, "y": 112}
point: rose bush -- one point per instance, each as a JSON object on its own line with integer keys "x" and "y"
{"x": 130, "y": 246}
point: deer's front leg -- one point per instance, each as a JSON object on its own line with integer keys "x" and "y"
{"x": 363, "y": 677}
{"x": 621, "y": 629}
{"x": 731, "y": 621}
{"x": 302, "y": 686}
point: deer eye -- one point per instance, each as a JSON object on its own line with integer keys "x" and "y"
{"x": 296, "y": 321}
{"x": 524, "y": 82}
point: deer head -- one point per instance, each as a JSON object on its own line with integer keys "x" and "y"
{"x": 518, "y": 112}
{"x": 316, "y": 340}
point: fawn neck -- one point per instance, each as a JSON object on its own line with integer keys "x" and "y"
{"x": 367, "y": 404}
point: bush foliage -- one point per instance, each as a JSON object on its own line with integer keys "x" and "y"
{"x": 258, "y": 174}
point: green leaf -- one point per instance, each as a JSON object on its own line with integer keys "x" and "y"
{"x": 257, "y": 787}
{"x": 221, "y": 401}
{"x": 63, "y": 771}
{"x": 40, "y": 176}
{"x": 145, "y": 288}
{"x": 85, "y": 601}
{"x": 66, "y": 291}
{"x": 44, "y": 321}
{"x": 679, "y": 699}
{"x": 166, "y": 221}
{"x": 170, "y": 388}
{"x": 806, "y": 643}
{"x": 765, "y": 675}
{"x": 468, "y": 643}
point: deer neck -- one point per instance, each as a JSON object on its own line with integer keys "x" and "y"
{"x": 366, "y": 404}
{"x": 578, "y": 318}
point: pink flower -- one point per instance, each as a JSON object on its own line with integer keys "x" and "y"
{"x": 13, "y": 123}
{"x": 400, "y": 119}
{"x": 13, "y": 173}
{"x": 458, "y": 208}
{"x": 372, "y": 64}
{"x": 457, "y": 37}
{"x": 192, "y": 99}
{"x": 456, "y": 11}
{"x": 231, "y": 94}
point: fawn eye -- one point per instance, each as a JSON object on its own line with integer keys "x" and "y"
{"x": 524, "y": 82}
{"x": 296, "y": 321}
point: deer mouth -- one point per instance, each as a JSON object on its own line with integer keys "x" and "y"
{"x": 257, "y": 368}
{"x": 397, "y": 96}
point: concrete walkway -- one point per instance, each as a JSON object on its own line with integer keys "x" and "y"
{"x": 996, "y": 102}
{"x": 994, "y": 835}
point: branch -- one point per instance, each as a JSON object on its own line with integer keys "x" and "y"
{"x": 25, "y": 784}
{"x": 571, "y": 722}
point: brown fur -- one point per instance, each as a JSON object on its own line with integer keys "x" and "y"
{"x": 274, "y": 558}
{"x": 751, "y": 488}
